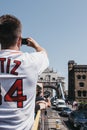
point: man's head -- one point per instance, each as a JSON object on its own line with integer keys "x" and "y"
{"x": 10, "y": 31}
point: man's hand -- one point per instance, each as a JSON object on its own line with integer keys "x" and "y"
{"x": 32, "y": 43}
{"x": 43, "y": 104}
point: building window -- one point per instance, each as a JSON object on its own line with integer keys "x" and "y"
{"x": 79, "y": 76}
{"x": 53, "y": 78}
{"x": 81, "y": 84}
{"x": 83, "y": 76}
{"x": 41, "y": 78}
{"x": 79, "y": 93}
{"x": 47, "y": 78}
{"x": 84, "y": 93}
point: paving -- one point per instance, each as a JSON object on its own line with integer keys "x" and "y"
{"x": 52, "y": 121}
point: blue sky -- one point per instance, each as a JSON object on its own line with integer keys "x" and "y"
{"x": 60, "y": 26}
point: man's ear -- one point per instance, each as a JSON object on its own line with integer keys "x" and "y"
{"x": 19, "y": 42}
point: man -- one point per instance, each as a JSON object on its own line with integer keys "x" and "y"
{"x": 41, "y": 102}
{"x": 18, "y": 76}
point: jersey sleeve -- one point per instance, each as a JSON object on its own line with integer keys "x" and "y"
{"x": 40, "y": 60}
{"x": 43, "y": 63}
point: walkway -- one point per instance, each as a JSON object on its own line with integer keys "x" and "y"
{"x": 51, "y": 119}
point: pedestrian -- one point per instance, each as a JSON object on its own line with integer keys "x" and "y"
{"x": 41, "y": 102}
{"x": 18, "y": 75}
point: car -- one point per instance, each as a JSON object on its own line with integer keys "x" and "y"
{"x": 60, "y": 103}
{"x": 78, "y": 118}
{"x": 53, "y": 101}
{"x": 83, "y": 126}
{"x": 65, "y": 111}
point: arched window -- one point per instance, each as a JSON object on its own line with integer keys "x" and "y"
{"x": 48, "y": 77}
{"x": 83, "y": 76}
{"x": 79, "y": 76}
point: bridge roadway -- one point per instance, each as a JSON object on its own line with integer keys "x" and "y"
{"x": 50, "y": 121}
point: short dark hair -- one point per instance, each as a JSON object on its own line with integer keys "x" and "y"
{"x": 10, "y": 29}
{"x": 39, "y": 90}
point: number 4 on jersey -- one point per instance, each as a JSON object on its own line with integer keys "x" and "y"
{"x": 19, "y": 98}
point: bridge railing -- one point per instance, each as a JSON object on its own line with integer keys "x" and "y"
{"x": 36, "y": 121}
{"x": 39, "y": 121}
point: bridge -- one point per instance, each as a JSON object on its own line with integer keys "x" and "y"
{"x": 52, "y": 82}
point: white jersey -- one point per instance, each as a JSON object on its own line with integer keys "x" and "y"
{"x": 18, "y": 77}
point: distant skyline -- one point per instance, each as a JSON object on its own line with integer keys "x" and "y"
{"x": 60, "y": 26}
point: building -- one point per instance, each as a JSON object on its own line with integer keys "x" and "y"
{"x": 51, "y": 79}
{"x": 77, "y": 81}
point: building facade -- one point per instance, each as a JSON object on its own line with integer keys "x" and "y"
{"x": 77, "y": 82}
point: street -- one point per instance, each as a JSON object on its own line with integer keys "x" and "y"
{"x": 68, "y": 124}
{"x": 64, "y": 119}
{"x": 52, "y": 116}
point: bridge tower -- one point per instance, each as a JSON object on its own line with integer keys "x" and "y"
{"x": 52, "y": 82}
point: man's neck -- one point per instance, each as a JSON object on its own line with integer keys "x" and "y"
{"x": 14, "y": 48}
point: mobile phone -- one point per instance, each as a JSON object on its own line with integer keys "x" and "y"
{"x": 24, "y": 41}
